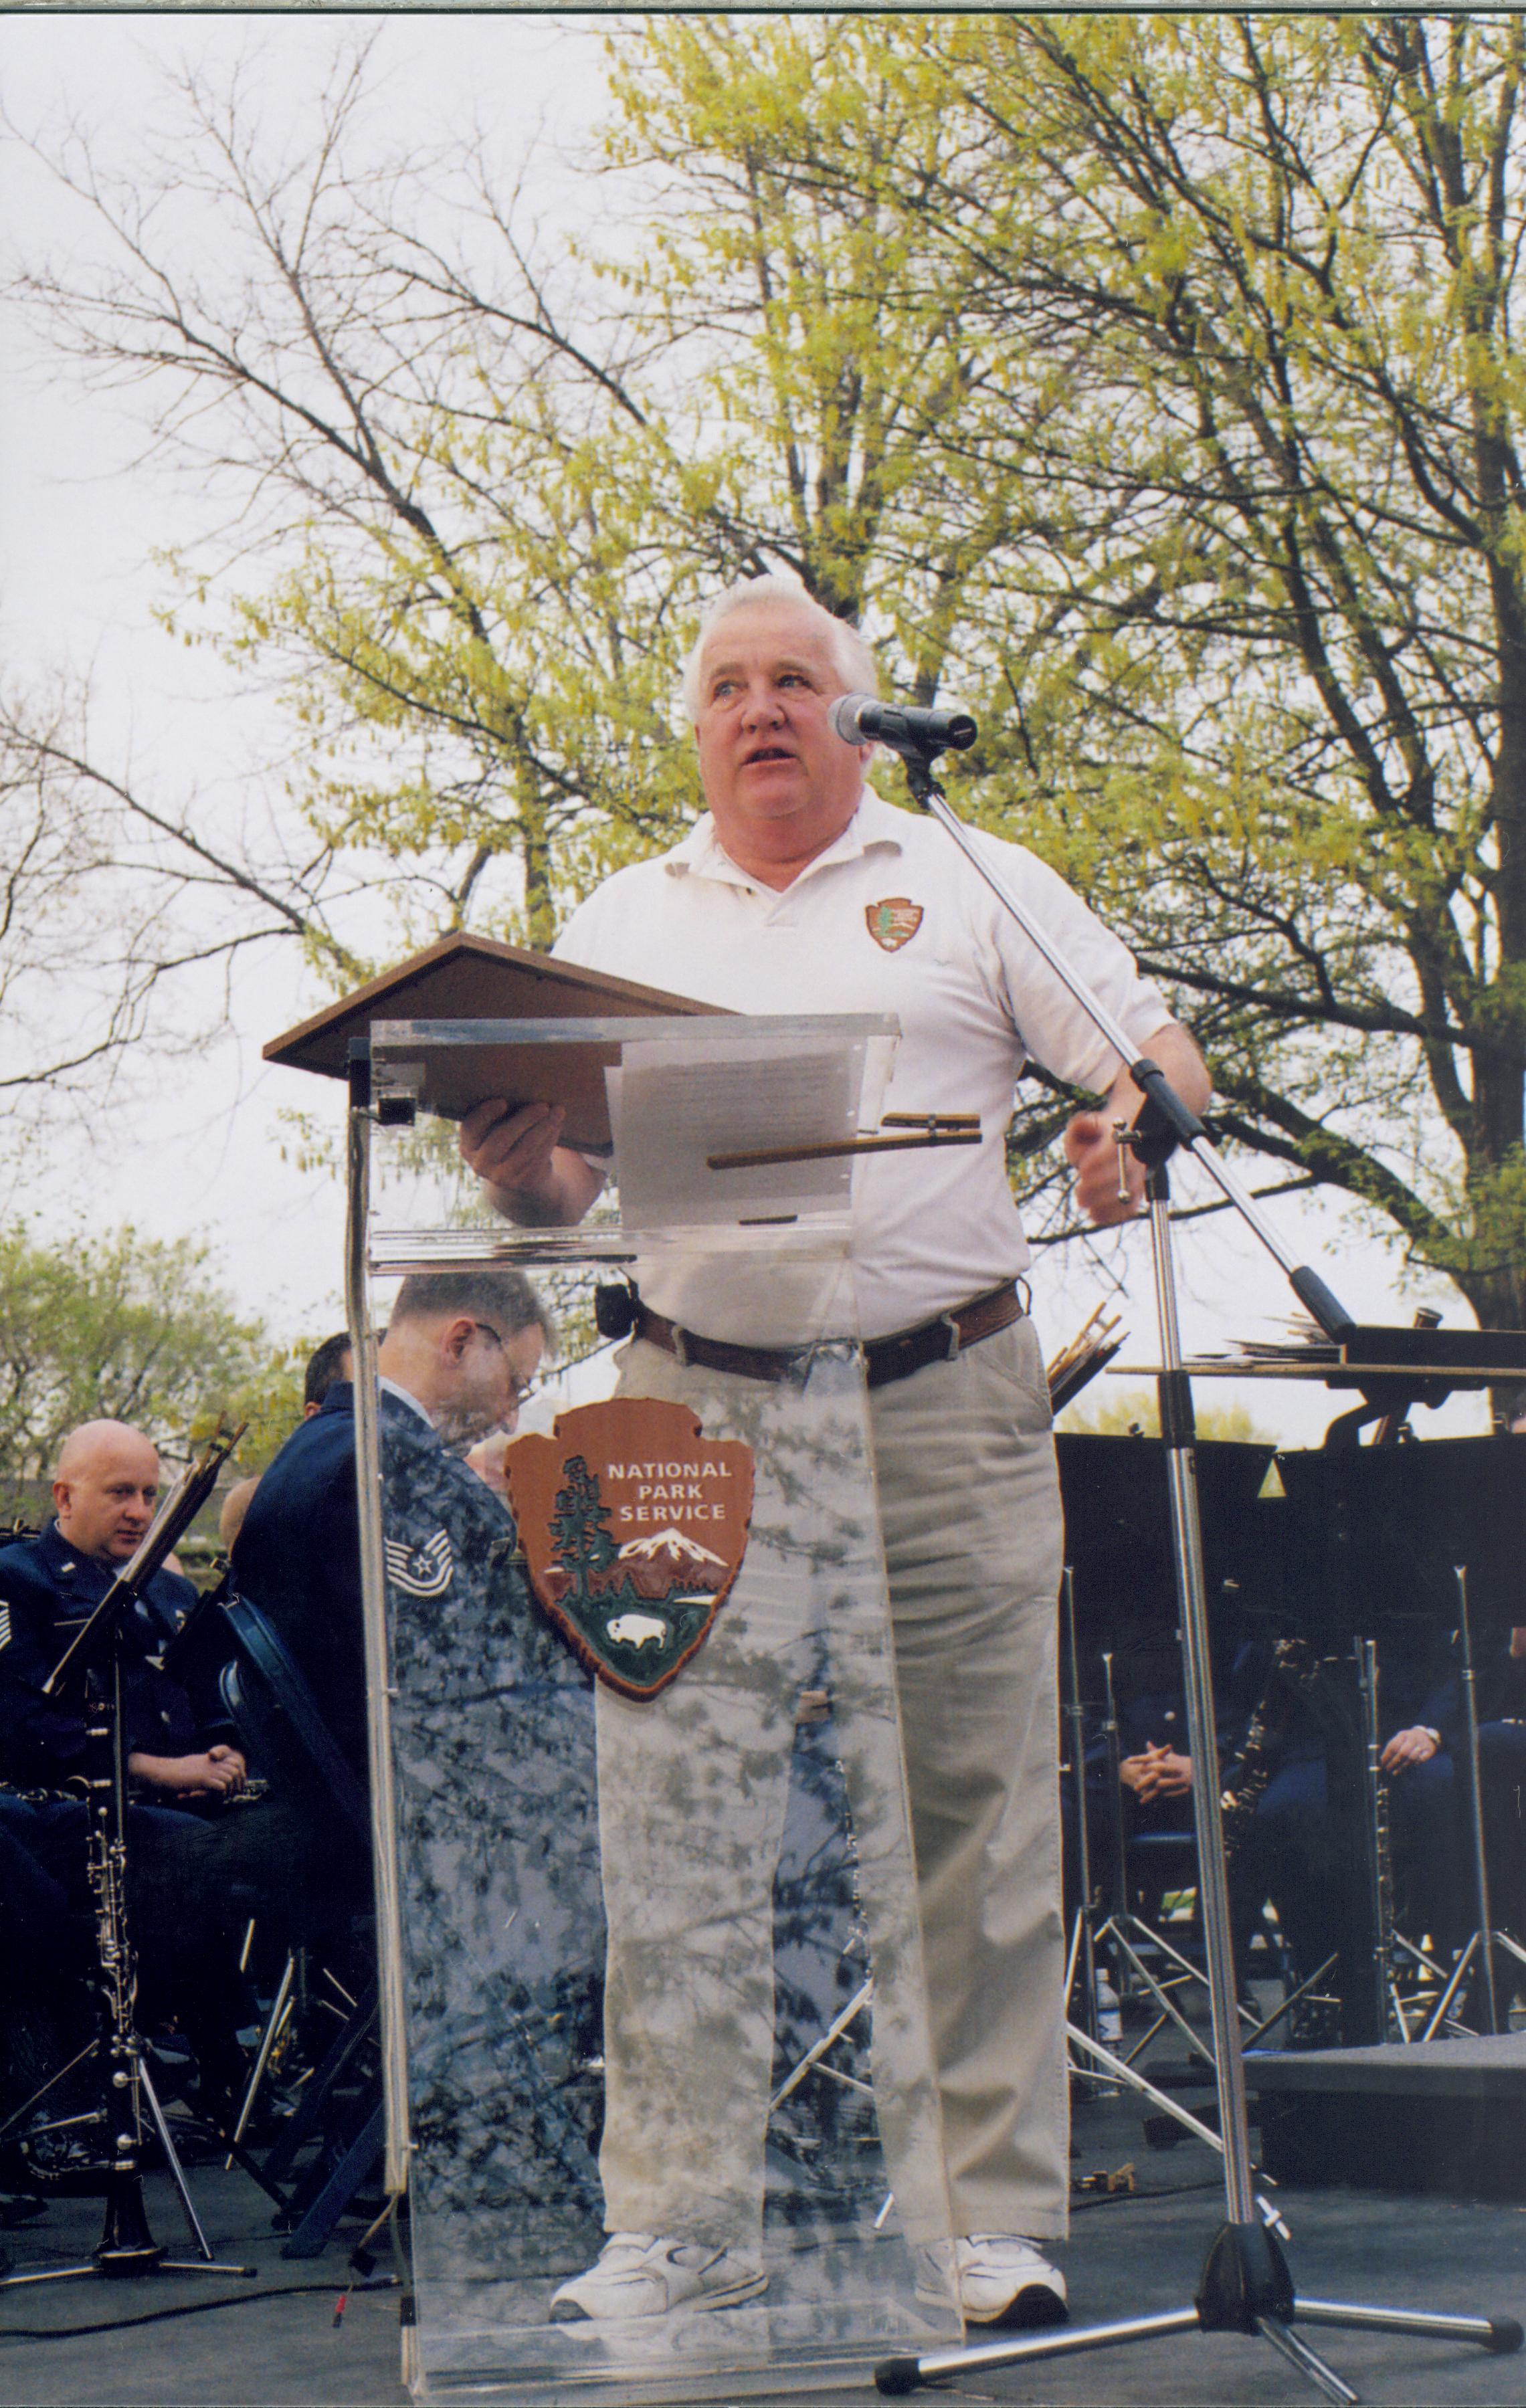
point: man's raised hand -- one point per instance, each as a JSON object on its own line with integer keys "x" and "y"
{"x": 1094, "y": 1155}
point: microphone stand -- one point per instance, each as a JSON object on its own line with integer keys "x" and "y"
{"x": 1082, "y": 1950}
{"x": 1245, "y": 2285}
{"x": 95, "y": 1659}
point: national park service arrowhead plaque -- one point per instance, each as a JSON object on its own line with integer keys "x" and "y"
{"x": 634, "y": 1526}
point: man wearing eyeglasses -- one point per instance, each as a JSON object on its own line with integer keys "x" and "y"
{"x": 459, "y": 1354}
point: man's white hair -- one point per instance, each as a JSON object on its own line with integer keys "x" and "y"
{"x": 851, "y": 657}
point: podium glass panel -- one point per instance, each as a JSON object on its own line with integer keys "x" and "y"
{"x": 660, "y": 1969}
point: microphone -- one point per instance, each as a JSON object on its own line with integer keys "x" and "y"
{"x": 916, "y": 735}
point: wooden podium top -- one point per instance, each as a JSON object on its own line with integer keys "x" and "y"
{"x": 469, "y": 978}
{"x": 476, "y": 977}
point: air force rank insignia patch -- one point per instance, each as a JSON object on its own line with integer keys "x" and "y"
{"x": 634, "y": 1526}
{"x": 423, "y": 1570}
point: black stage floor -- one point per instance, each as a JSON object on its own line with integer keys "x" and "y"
{"x": 1127, "y": 2256}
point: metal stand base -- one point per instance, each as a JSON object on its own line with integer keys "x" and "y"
{"x": 1480, "y": 1948}
{"x": 1245, "y": 2289}
{"x": 127, "y": 2246}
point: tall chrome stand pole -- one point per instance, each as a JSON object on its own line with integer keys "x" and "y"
{"x": 1082, "y": 1947}
{"x": 1484, "y": 1939}
{"x": 1179, "y": 1434}
{"x": 1246, "y": 2286}
{"x": 373, "y": 1586}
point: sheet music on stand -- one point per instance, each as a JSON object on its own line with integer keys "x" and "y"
{"x": 674, "y": 1101}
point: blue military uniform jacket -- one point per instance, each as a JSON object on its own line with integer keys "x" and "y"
{"x": 450, "y": 1547}
{"x": 297, "y": 1556}
{"x": 46, "y": 1589}
{"x": 1417, "y": 1686}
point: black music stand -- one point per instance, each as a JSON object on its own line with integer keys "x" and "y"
{"x": 1245, "y": 2285}
{"x": 1484, "y": 1938}
{"x": 1373, "y": 1539}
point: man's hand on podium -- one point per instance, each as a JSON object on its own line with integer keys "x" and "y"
{"x": 529, "y": 1178}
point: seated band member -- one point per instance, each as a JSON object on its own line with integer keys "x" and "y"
{"x": 104, "y": 1492}
{"x": 1287, "y": 1851}
{"x": 1155, "y": 1776}
{"x": 458, "y": 1352}
{"x": 1502, "y": 1763}
{"x": 801, "y": 891}
{"x": 326, "y": 1367}
{"x": 188, "y": 1878}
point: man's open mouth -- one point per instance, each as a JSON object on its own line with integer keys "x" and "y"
{"x": 767, "y": 753}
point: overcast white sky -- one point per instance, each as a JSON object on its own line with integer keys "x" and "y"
{"x": 77, "y": 588}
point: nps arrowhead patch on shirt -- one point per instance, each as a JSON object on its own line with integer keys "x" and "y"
{"x": 894, "y": 922}
{"x": 634, "y": 1526}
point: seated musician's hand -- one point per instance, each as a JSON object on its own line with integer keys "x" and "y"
{"x": 1408, "y": 1747}
{"x": 1094, "y": 1155}
{"x": 1172, "y": 1775}
{"x": 217, "y": 1773}
{"x": 511, "y": 1150}
{"x": 1159, "y": 1773}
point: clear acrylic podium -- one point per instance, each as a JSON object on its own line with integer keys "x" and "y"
{"x": 651, "y": 1961}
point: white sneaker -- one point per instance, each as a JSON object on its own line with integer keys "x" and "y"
{"x": 638, "y": 2276}
{"x": 1005, "y": 2280}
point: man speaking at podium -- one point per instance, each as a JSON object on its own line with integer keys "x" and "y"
{"x": 801, "y": 891}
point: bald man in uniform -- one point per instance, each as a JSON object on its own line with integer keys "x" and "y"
{"x": 106, "y": 1491}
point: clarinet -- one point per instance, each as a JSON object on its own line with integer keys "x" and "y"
{"x": 1378, "y": 1852}
{"x": 116, "y": 1967}
{"x": 1294, "y": 1670}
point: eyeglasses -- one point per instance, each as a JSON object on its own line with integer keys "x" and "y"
{"x": 519, "y": 1388}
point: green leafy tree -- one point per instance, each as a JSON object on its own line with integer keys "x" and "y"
{"x": 122, "y": 1328}
{"x": 1267, "y": 653}
{"x": 1153, "y": 383}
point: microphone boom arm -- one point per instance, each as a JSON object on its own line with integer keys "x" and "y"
{"x": 1165, "y": 1115}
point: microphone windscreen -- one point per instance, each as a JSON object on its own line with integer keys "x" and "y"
{"x": 844, "y": 716}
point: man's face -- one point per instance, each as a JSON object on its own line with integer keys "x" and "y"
{"x": 772, "y": 765}
{"x": 107, "y": 1502}
{"x": 491, "y": 1370}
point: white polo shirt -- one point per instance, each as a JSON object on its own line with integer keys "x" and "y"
{"x": 891, "y": 918}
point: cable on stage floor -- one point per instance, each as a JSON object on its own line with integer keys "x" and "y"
{"x": 196, "y": 2308}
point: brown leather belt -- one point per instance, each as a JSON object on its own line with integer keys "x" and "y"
{"x": 885, "y": 1359}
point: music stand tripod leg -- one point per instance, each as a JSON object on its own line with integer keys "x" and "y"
{"x": 1245, "y": 2283}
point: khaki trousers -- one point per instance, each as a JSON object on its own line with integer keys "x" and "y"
{"x": 970, "y": 1511}
{"x": 693, "y": 1789}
